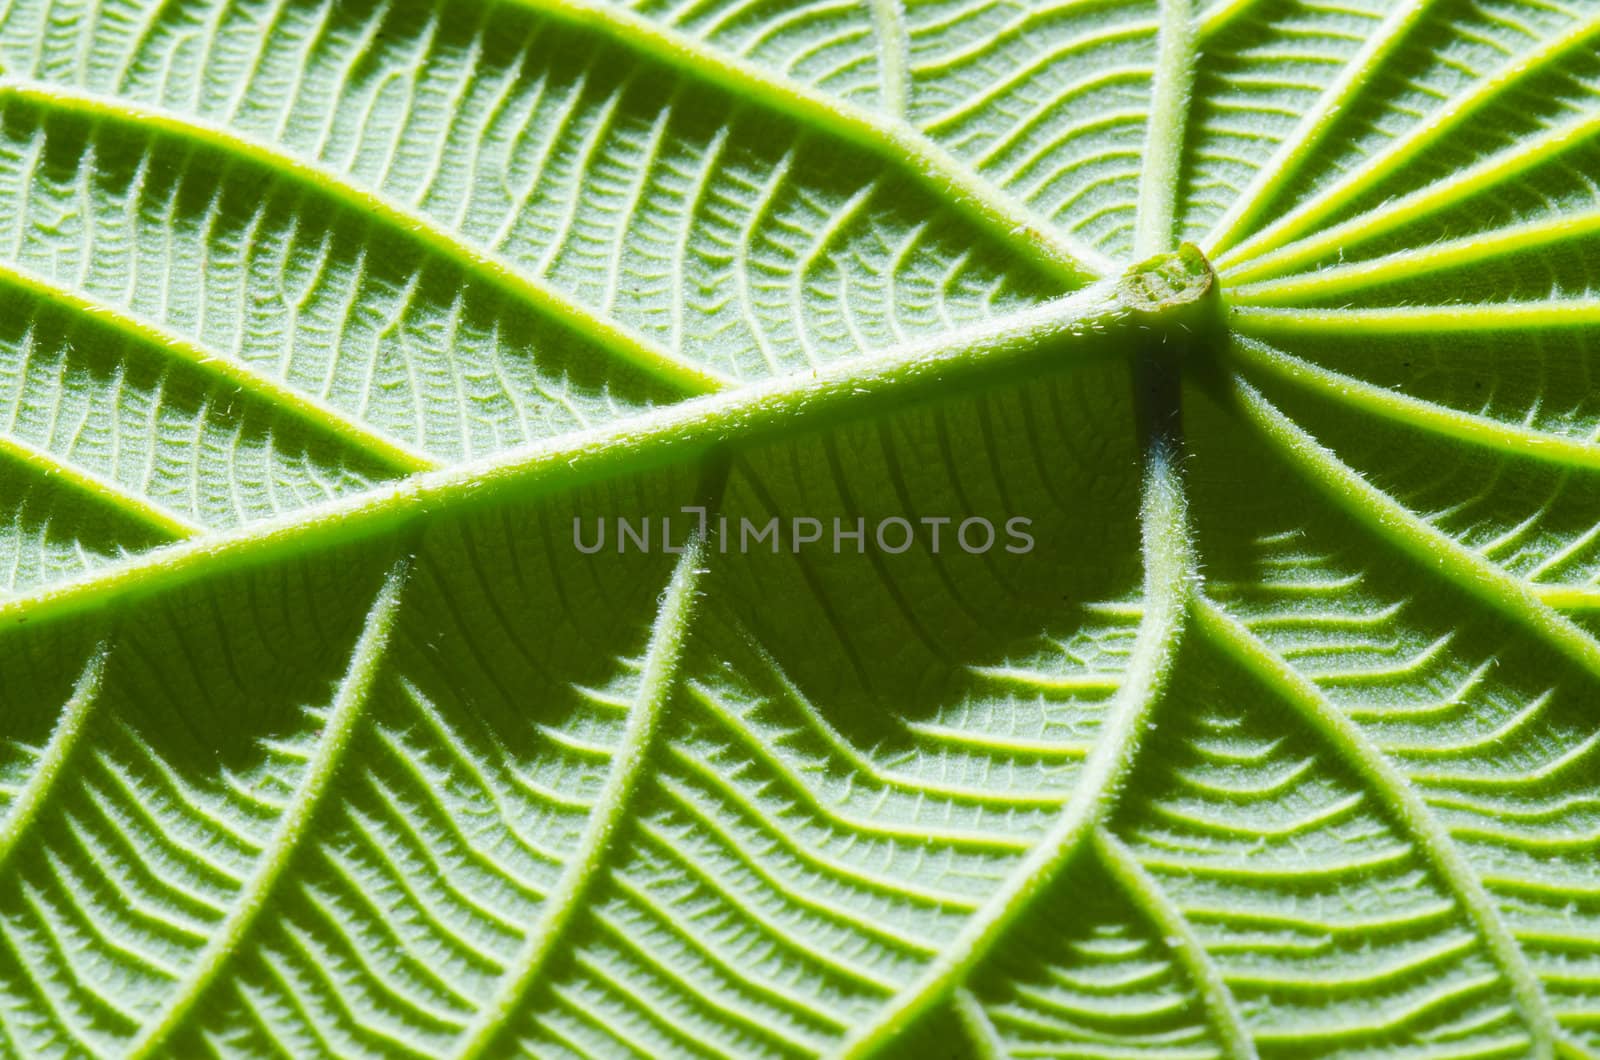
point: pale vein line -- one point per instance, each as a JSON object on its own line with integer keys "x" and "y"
{"x": 981, "y": 1034}
{"x": 1297, "y": 147}
{"x": 231, "y": 372}
{"x": 656, "y": 684}
{"x": 622, "y": 343}
{"x": 1413, "y": 262}
{"x": 1425, "y": 415}
{"x": 1569, "y": 597}
{"x": 1068, "y": 331}
{"x": 893, "y": 141}
{"x": 49, "y": 766}
{"x": 894, "y": 56}
{"x": 349, "y": 705}
{"x": 1222, "y": 15}
{"x": 1426, "y": 201}
{"x": 863, "y": 764}
{"x": 1406, "y": 148}
{"x": 49, "y": 468}
{"x": 1413, "y": 815}
{"x": 1423, "y": 319}
{"x": 1177, "y": 48}
{"x": 1179, "y": 936}
{"x": 1168, "y": 585}
{"x": 1433, "y": 549}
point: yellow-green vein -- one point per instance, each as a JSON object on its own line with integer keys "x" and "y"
{"x": 1181, "y": 939}
{"x": 111, "y": 496}
{"x": 1408, "y": 264}
{"x": 349, "y": 705}
{"x": 1338, "y": 239}
{"x": 657, "y": 683}
{"x": 1177, "y": 49}
{"x": 1278, "y": 170}
{"x": 1393, "y": 405}
{"x": 1170, "y": 574}
{"x": 1411, "y": 813}
{"x": 52, "y": 760}
{"x": 616, "y": 340}
{"x": 1403, "y": 150}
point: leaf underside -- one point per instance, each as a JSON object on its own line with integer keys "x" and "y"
{"x": 321, "y": 323}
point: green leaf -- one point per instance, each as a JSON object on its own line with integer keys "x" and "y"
{"x": 328, "y": 331}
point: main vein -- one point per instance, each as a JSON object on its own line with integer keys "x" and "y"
{"x": 349, "y": 704}
{"x": 656, "y": 685}
{"x": 1169, "y": 578}
{"x": 1080, "y": 324}
{"x": 1177, "y": 48}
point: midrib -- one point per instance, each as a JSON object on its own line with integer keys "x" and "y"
{"x": 1088, "y": 322}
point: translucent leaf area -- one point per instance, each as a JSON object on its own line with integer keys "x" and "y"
{"x": 326, "y": 326}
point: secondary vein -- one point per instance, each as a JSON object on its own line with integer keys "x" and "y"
{"x": 894, "y": 67}
{"x": 349, "y": 704}
{"x": 1170, "y": 573}
{"x": 1434, "y": 549}
{"x": 1181, "y": 939}
{"x": 1297, "y": 147}
{"x": 52, "y": 761}
{"x": 1539, "y": 234}
{"x": 1428, "y": 416}
{"x": 1410, "y": 811}
{"x": 891, "y": 139}
{"x": 228, "y": 371}
{"x": 1246, "y": 262}
{"x": 565, "y": 902}
{"x": 1406, "y": 148}
{"x": 486, "y": 267}
{"x": 106, "y": 493}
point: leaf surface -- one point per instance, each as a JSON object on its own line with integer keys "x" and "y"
{"x": 329, "y": 332}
